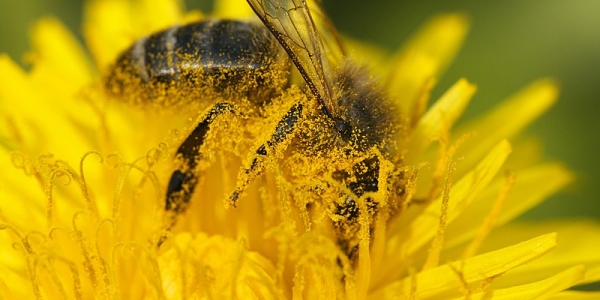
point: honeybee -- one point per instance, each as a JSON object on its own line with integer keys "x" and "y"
{"x": 346, "y": 120}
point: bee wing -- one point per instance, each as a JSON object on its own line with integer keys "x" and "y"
{"x": 334, "y": 47}
{"x": 292, "y": 25}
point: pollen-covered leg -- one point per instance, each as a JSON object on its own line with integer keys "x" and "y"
{"x": 183, "y": 180}
{"x": 364, "y": 178}
{"x": 257, "y": 163}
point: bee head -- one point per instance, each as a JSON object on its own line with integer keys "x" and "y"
{"x": 364, "y": 117}
{"x": 343, "y": 128}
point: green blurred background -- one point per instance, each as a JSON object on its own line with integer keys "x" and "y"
{"x": 511, "y": 44}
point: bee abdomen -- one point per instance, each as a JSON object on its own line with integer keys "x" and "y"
{"x": 224, "y": 56}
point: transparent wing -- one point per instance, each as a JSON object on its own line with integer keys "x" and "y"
{"x": 332, "y": 41}
{"x": 292, "y": 25}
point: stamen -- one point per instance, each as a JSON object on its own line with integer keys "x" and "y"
{"x": 77, "y": 290}
{"x": 90, "y": 205}
{"x": 492, "y": 216}
{"x": 28, "y": 239}
{"x": 48, "y": 189}
{"x": 29, "y": 256}
{"x": 88, "y": 266}
{"x": 440, "y": 165}
{"x": 377, "y": 250}
{"x": 45, "y": 265}
{"x": 436, "y": 245}
{"x": 147, "y": 263}
{"x": 156, "y": 154}
{"x": 31, "y": 269}
{"x": 463, "y": 282}
{"x": 363, "y": 273}
{"x": 410, "y": 188}
{"x": 106, "y": 277}
{"x": 485, "y": 284}
{"x": 413, "y": 283}
{"x": 147, "y": 175}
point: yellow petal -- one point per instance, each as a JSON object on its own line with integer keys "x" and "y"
{"x": 443, "y": 281}
{"x": 107, "y": 29}
{"x": 110, "y": 26}
{"x": 61, "y": 70}
{"x": 28, "y": 105}
{"x": 441, "y": 37}
{"x": 572, "y": 249}
{"x": 231, "y": 9}
{"x": 539, "y": 290}
{"x": 504, "y": 121}
{"x": 11, "y": 75}
{"x": 407, "y": 239}
{"x": 576, "y": 295}
{"x": 57, "y": 49}
{"x": 15, "y": 184}
{"x": 528, "y": 153}
{"x": 372, "y": 56}
{"x": 592, "y": 275}
{"x": 203, "y": 267}
{"x": 153, "y": 15}
{"x": 548, "y": 179}
{"x": 12, "y": 268}
{"x": 463, "y": 192}
{"x": 423, "y": 58}
{"x": 440, "y": 117}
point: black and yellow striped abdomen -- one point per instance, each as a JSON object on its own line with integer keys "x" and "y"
{"x": 223, "y": 58}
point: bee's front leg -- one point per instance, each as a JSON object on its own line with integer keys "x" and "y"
{"x": 256, "y": 165}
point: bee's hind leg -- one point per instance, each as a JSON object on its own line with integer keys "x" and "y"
{"x": 183, "y": 180}
{"x": 257, "y": 164}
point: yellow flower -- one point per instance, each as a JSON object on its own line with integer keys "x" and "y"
{"x": 84, "y": 177}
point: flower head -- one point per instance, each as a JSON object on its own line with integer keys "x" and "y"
{"x": 83, "y": 211}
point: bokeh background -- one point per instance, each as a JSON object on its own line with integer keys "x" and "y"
{"x": 511, "y": 44}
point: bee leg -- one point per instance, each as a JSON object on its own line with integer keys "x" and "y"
{"x": 183, "y": 180}
{"x": 366, "y": 179}
{"x": 257, "y": 165}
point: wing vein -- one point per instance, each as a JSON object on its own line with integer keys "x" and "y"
{"x": 291, "y": 23}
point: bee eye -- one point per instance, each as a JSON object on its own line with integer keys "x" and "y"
{"x": 343, "y": 128}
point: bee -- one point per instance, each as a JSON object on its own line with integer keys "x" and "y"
{"x": 346, "y": 120}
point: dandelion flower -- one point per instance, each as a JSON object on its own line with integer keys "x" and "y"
{"x": 84, "y": 177}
